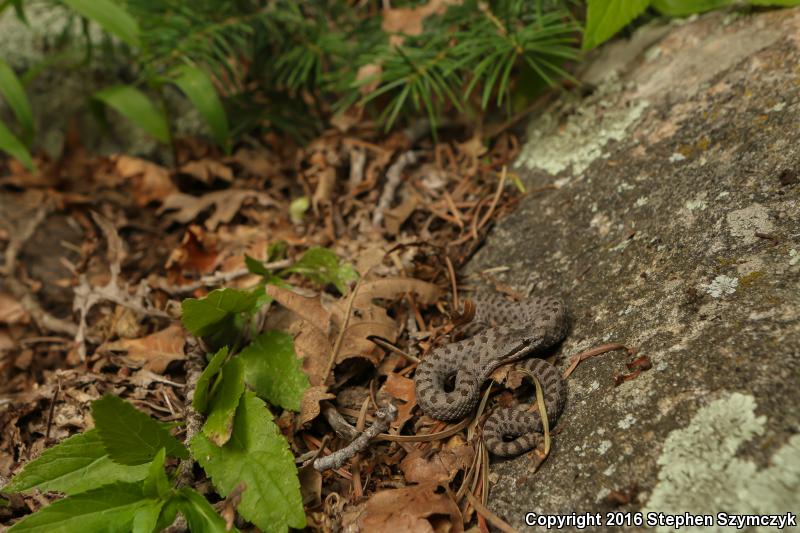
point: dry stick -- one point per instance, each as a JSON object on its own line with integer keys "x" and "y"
{"x": 393, "y": 177}
{"x": 452, "y": 273}
{"x": 195, "y": 363}
{"x": 576, "y": 359}
{"x": 426, "y": 438}
{"x": 383, "y": 418}
{"x": 498, "y": 193}
{"x": 338, "y": 344}
{"x": 342, "y": 428}
{"x": 492, "y": 518}
{"x": 51, "y": 411}
{"x": 386, "y": 345}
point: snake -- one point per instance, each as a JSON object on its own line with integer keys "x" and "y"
{"x": 448, "y": 380}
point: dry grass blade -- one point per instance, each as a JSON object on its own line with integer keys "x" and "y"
{"x": 338, "y": 344}
{"x": 542, "y": 409}
{"x": 490, "y": 517}
{"x": 426, "y": 438}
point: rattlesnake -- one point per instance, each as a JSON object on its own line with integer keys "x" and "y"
{"x": 502, "y": 332}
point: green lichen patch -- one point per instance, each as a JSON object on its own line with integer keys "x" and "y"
{"x": 701, "y": 472}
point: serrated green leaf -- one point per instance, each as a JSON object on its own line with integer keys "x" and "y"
{"x": 604, "y": 18}
{"x": 12, "y": 146}
{"x": 680, "y": 8}
{"x": 197, "y": 86}
{"x": 134, "y": 105}
{"x": 224, "y": 400}
{"x": 200, "y": 400}
{"x": 199, "y": 514}
{"x": 273, "y": 371}
{"x": 322, "y": 266}
{"x": 258, "y": 455}
{"x": 75, "y": 465}
{"x": 203, "y": 316}
{"x": 15, "y": 97}
{"x": 130, "y": 436}
{"x": 110, "y": 16}
{"x": 111, "y": 508}
{"x": 146, "y": 518}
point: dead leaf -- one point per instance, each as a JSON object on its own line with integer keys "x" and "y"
{"x": 416, "y": 509}
{"x": 391, "y": 288}
{"x": 150, "y": 181}
{"x": 206, "y": 170}
{"x": 254, "y": 162}
{"x": 442, "y": 466}
{"x": 408, "y": 21}
{"x": 226, "y": 204}
{"x": 395, "y": 217}
{"x": 401, "y": 388}
{"x": 156, "y": 350}
{"x": 309, "y": 405}
{"x": 11, "y": 311}
{"x": 366, "y": 72}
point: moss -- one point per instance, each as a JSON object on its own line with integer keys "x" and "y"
{"x": 750, "y": 279}
{"x": 701, "y": 473}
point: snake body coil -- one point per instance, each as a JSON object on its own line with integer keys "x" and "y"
{"x": 505, "y": 332}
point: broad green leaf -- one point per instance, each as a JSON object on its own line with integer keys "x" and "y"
{"x": 258, "y": 455}
{"x": 147, "y": 517}
{"x": 75, "y": 465}
{"x": 605, "y": 18}
{"x": 197, "y": 86}
{"x": 680, "y": 8}
{"x": 277, "y": 250}
{"x": 14, "y": 94}
{"x": 129, "y": 435}
{"x": 111, "y": 509}
{"x": 156, "y": 485}
{"x": 200, "y": 400}
{"x": 110, "y": 16}
{"x": 322, "y": 266}
{"x": 12, "y": 146}
{"x": 224, "y": 400}
{"x": 202, "y": 316}
{"x": 134, "y": 105}
{"x": 199, "y": 514}
{"x": 273, "y": 371}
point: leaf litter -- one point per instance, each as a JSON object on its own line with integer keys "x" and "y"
{"x": 399, "y": 213}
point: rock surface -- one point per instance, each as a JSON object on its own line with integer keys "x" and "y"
{"x": 674, "y": 228}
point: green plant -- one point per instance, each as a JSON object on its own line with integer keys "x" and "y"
{"x": 115, "y": 475}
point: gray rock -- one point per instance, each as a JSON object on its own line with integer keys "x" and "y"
{"x": 675, "y": 228}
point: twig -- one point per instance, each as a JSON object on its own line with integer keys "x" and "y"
{"x": 195, "y": 363}
{"x": 51, "y": 411}
{"x": 338, "y": 423}
{"x": 215, "y": 279}
{"x": 383, "y": 418}
{"x": 338, "y": 344}
{"x": 393, "y": 177}
{"x": 576, "y": 359}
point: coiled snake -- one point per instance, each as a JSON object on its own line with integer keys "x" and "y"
{"x": 503, "y": 332}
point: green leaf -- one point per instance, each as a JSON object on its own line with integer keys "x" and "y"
{"x": 785, "y": 3}
{"x": 134, "y": 105}
{"x": 277, "y": 250}
{"x": 15, "y": 97}
{"x": 680, "y": 8}
{"x": 273, "y": 371}
{"x": 322, "y": 266}
{"x": 111, "y": 508}
{"x": 75, "y": 465}
{"x": 110, "y": 16}
{"x": 199, "y": 514}
{"x": 129, "y": 435}
{"x": 200, "y": 400}
{"x": 202, "y": 316}
{"x": 197, "y": 86}
{"x": 606, "y": 17}
{"x": 156, "y": 485}
{"x": 11, "y": 145}
{"x": 225, "y": 399}
{"x": 258, "y": 455}
{"x": 298, "y": 208}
